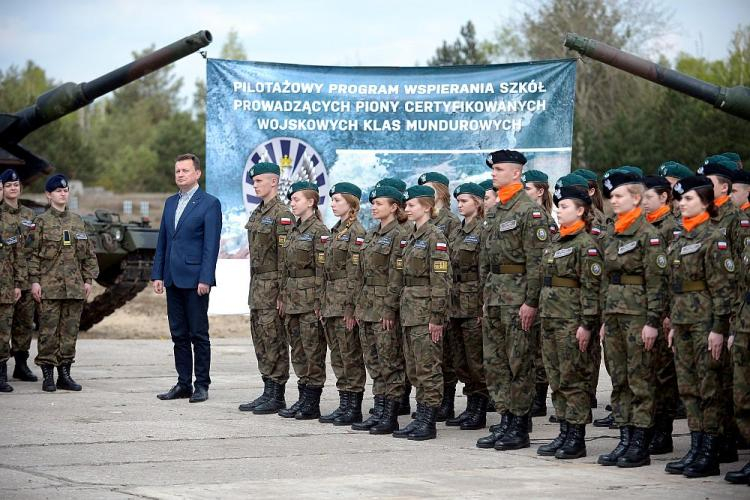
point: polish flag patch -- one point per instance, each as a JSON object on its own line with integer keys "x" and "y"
{"x": 359, "y": 241}
{"x": 443, "y": 247}
{"x": 536, "y": 215}
{"x": 285, "y": 221}
{"x": 745, "y": 223}
{"x": 593, "y": 252}
{"x": 722, "y": 245}
{"x": 324, "y": 238}
{"x": 596, "y": 231}
{"x": 654, "y": 242}
{"x": 403, "y": 244}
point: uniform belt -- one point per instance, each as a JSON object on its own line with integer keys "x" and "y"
{"x": 561, "y": 282}
{"x": 268, "y": 275}
{"x": 685, "y": 286}
{"x": 466, "y": 277}
{"x": 376, "y": 281}
{"x": 414, "y": 281}
{"x": 626, "y": 279}
{"x": 263, "y": 269}
{"x": 301, "y": 273}
{"x": 338, "y": 275}
{"x": 507, "y": 268}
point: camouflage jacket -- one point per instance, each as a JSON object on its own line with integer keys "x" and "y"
{"x": 12, "y": 262}
{"x": 267, "y": 231}
{"x": 427, "y": 270}
{"x": 702, "y": 258}
{"x": 343, "y": 275}
{"x": 304, "y": 261}
{"x": 571, "y": 279}
{"x": 669, "y": 228}
{"x": 744, "y": 232}
{"x": 446, "y": 221}
{"x": 61, "y": 256}
{"x": 600, "y": 223}
{"x": 741, "y": 320}
{"x": 466, "y": 294}
{"x": 636, "y": 254}
{"x": 728, "y": 223}
{"x": 514, "y": 233}
{"x": 382, "y": 272}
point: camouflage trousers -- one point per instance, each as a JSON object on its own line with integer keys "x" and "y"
{"x": 667, "y": 395}
{"x": 23, "y": 323}
{"x": 508, "y": 360}
{"x": 308, "y": 348}
{"x": 699, "y": 377}
{"x": 58, "y": 331}
{"x": 384, "y": 358}
{"x": 346, "y": 355}
{"x": 270, "y": 343}
{"x": 467, "y": 355}
{"x": 450, "y": 341}
{"x": 741, "y": 361}
{"x": 6, "y": 320}
{"x": 568, "y": 369}
{"x": 540, "y": 375}
{"x": 423, "y": 360}
{"x": 631, "y": 368}
{"x": 728, "y": 425}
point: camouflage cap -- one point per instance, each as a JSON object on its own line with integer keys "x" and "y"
{"x": 655, "y": 181}
{"x": 433, "y": 177}
{"x": 617, "y": 178}
{"x": 689, "y": 183}
{"x": 534, "y": 176}
{"x": 471, "y": 188}
{"x": 487, "y": 185}
{"x": 674, "y": 169}
{"x": 9, "y": 175}
{"x": 56, "y": 181}
{"x": 420, "y": 192}
{"x": 301, "y": 186}
{"x": 718, "y": 165}
{"x": 574, "y": 191}
{"x": 505, "y": 156}
{"x": 346, "y": 188}
{"x": 264, "y": 168}
{"x": 635, "y": 170}
{"x": 572, "y": 180}
{"x": 392, "y": 182}
{"x": 387, "y": 192}
{"x": 740, "y": 177}
{"x": 587, "y": 174}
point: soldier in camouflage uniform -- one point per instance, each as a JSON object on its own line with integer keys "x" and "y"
{"x": 377, "y": 309}
{"x": 267, "y": 231}
{"x": 424, "y": 305}
{"x": 673, "y": 172}
{"x": 571, "y": 281}
{"x": 634, "y": 287}
{"x": 599, "y": 224}
{"x": 515, "y": 232}
{"x": 490, "y": 194}
{"x": 19, "y": 220}
{"x": 466, "y": 307}
{"x": 702, "y": 277}
{"x": 62, "y": 266}
{"x": 342, "y": 284}
{"x": 300, "y": 299}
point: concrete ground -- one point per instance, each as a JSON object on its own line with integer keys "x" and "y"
{"x": 116, "y": 440}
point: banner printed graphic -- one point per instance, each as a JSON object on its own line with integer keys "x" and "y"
{"x": 360, "y": 124}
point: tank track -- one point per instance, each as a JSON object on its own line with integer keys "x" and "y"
{"x": 134, "y": 276}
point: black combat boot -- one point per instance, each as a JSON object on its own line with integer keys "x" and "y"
{"x": 402, "y": 433}
{"x": 353, "y": 411}
{"x": 446, "y": 409}
{"x": 661, "y": 443}
{"x": 292, "y": 410}
{"x": 497, "y": 431}
{"x": 612, "y": 457}
{"x": 343, "y": 405}
{"x": 425, "y": 428}
{"x": 478, "y": 419}
{"x": 275, "y": 401}
{"x": 471, "y": 403}
{"x": 48, "y": 381}
{"x": 727, "y": 448}
{"x": 539, "y": 404}
{"x": 678, "y": 467}
{"x": 404, "y": 408}
{"x": 310, "y": 409}
{"x": 517, "y": 436}
{"x": 4, "y": 386}
{"x": 549, "y": 449}
{"x": 260, "y": 399}
{"x": 741, "y": 476}
{"x": 374, "y": 419}
{"x": 64, "y": 380}
{"x": 637, "y": 453}
{"x": 389, "y": 420}
{"x": 706, "y": 463}
{"x": 21, "y": 371}
{"x": 575, "y": 443}
{"x": 608, "y": 421}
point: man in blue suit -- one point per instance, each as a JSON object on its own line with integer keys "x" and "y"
{"x": 185, "y": 263}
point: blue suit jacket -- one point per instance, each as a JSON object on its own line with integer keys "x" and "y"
{"x": 186, "y": 255}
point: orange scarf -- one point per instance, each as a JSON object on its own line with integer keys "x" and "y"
{"x": 574, "y": 228}
{"x": 505, "y": 193}
{"x": 690, "y": 223}
{"x": 721, "y": 200}
{"x": 745, "y": 206}
{"x": 658, "y": 213}
{"x": 624, "y": 221}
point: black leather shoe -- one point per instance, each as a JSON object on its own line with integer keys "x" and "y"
{"x": 48, "y": 382}
{"x": 637, "y": 453}
{"x": 21, "y": 371}
{"x": 678, "y": 467}
{"x": 727, "y": 449}
{"x": 64, "y": 380}
{"x": 199, "y": 395}
{"x": 471, "y": 404}
{"x": 176, "y": 392}
{"x": 404, "y": 407}
{"x": 310, "y": 409}
{"x": 496, "y": 432}
{"x": 549, "y": 449}
{"x": 292, "y": 410}
{"x": 661, "y": 442}
{"x": 4, "y": 385}
{"x": 477, "y": 419}
{"x": 607, "y": 421}
{"x": 343, "y": 405}
{"x": 389, "y": 420}
{"x": 402, "y": 433}
{"x": 374, "y": 418}
{"x": 517, "y": 436}
{"x": 574, "y": 445}
{"x": 706, "y": 463}
{"x": 275, "y": 401}
{"x": 741, "y": 476}
{"x": 425, "y": 428}
{"x": 612, "y": 457}
{"x": 260, "y": 399}
{"x": 353, "y": 411}
{"x": 446, "y": 410}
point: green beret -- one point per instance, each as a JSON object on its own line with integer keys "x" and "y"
{"x": 674, "y": 169}
{"x": 610, "y": 172}
{"x": 301, "y": 186}
{"x": 433, "y": 177}
{"x": 387, "y": 192}
{"x": 633, "y": 170}
{"x": 487, "y": 185}
{"x": 587, "y": 174}
{"x": 714, "y": 159}
{"x": 534, "y": 176}
{"x": 718, "y": 165}
{"x": 732, "y": 156}
{"x": 264, "y": 168}
{"x": 469, "y": 188}
{"x": 392, "y": 182}
{"x": 420, "y": 192}
{"x": 572, "y": 180}
{"x": 346, "y": 188}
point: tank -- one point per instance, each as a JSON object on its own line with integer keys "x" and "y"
{"x": 124, "y": 249}
{"x": 732, "y": 100}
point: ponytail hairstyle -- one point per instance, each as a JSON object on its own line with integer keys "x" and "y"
{"x": 706, "y": 194}
{"x": 315, "y": 196}
{"x": 400, "y": 215}
{"x": 546, "y": 195}
{"x": 354, "y": 205}
{"x": 596, "y": 198}
{"x": 442, "y": 196}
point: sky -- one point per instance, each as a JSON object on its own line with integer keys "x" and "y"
{"x": 77, "y": 40}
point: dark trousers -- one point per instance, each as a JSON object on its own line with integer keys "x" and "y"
{"x": 188, "y": 323}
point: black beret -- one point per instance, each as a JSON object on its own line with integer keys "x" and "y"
{"x": 617, "y": 178}
{"x": 9, "y": 175}
{"x": 505, "y": 156}
{"x": 55, "y": 182}
{"x": 688, "y": 183}
{"x": 721, "y": 167}
{"x": 655, "y": 181}
{"x": 741, "y": 177}
{"x": 575, "y": 191}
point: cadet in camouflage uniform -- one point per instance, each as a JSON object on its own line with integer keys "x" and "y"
{"x": 342, "y": 284}
{"x": 62, "y": 266}
{"x": 673, "y": 172}
{"x": 377, "y": 309}
{"x": 571, "y": 282}
{"x": 300, "y": 301}
{"x": 599, "y": 224}
{"x": 634, "y": 287}
{"x": 515, "y": 232}
{"x": 424, "y": 305}
{"x": 466, "y": 307}
{"x": 267, "y": 231}
{"x": 19, "y": 220}
{"x": 490, "y": 194}
{"x": 702, "y": 277}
